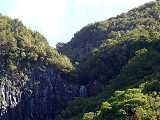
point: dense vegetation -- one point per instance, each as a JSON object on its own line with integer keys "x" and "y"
{"x": 19, "y": 44}
{"x": 93, "y": 35}
{"x": 23, "y": 51}
{"x": 119, "y": 62}
{"x": 137, "y": 104}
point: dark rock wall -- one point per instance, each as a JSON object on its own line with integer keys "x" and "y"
{"x": 41, "y": 97}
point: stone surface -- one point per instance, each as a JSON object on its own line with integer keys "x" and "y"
{"x": 41, "y": 97}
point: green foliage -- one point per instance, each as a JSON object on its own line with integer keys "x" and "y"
{"x": 106, "y": 106}
{"x": 122, "y": 54}
{"x": 19, "y": 44}
{"x": 152, "y": 86}
{"x": 88, "y": 116}
{"x": 93, "y": 35}
{"x": 131, "y": 103}
{"x": 143, "y": 64}
{"x": 12, "y": 67}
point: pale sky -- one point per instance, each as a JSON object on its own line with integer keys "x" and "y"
{"x": 58, "y": 20}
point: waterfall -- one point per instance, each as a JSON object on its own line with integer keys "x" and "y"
{"x": 83, "y": 91}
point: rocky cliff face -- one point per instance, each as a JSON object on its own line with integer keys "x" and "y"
{"x": 34, "y": 81}
{"x": 41, "y": 97}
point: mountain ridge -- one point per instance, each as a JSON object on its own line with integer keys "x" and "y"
{"x": 121, "y": 73}
{"x": 99, "y": 31}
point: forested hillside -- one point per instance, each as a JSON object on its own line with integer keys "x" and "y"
{"x": 93, "y": 35}
{"x": 119, "y": 62}
{"x": 32, "y": 74}
{"x": 110, "y": 70}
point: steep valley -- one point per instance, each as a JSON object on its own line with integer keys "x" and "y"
{"x": 110, "y": 70}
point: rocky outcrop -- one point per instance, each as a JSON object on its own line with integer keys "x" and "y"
{"x": 41, "y": 97}
{"x": 34, "y": 77}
